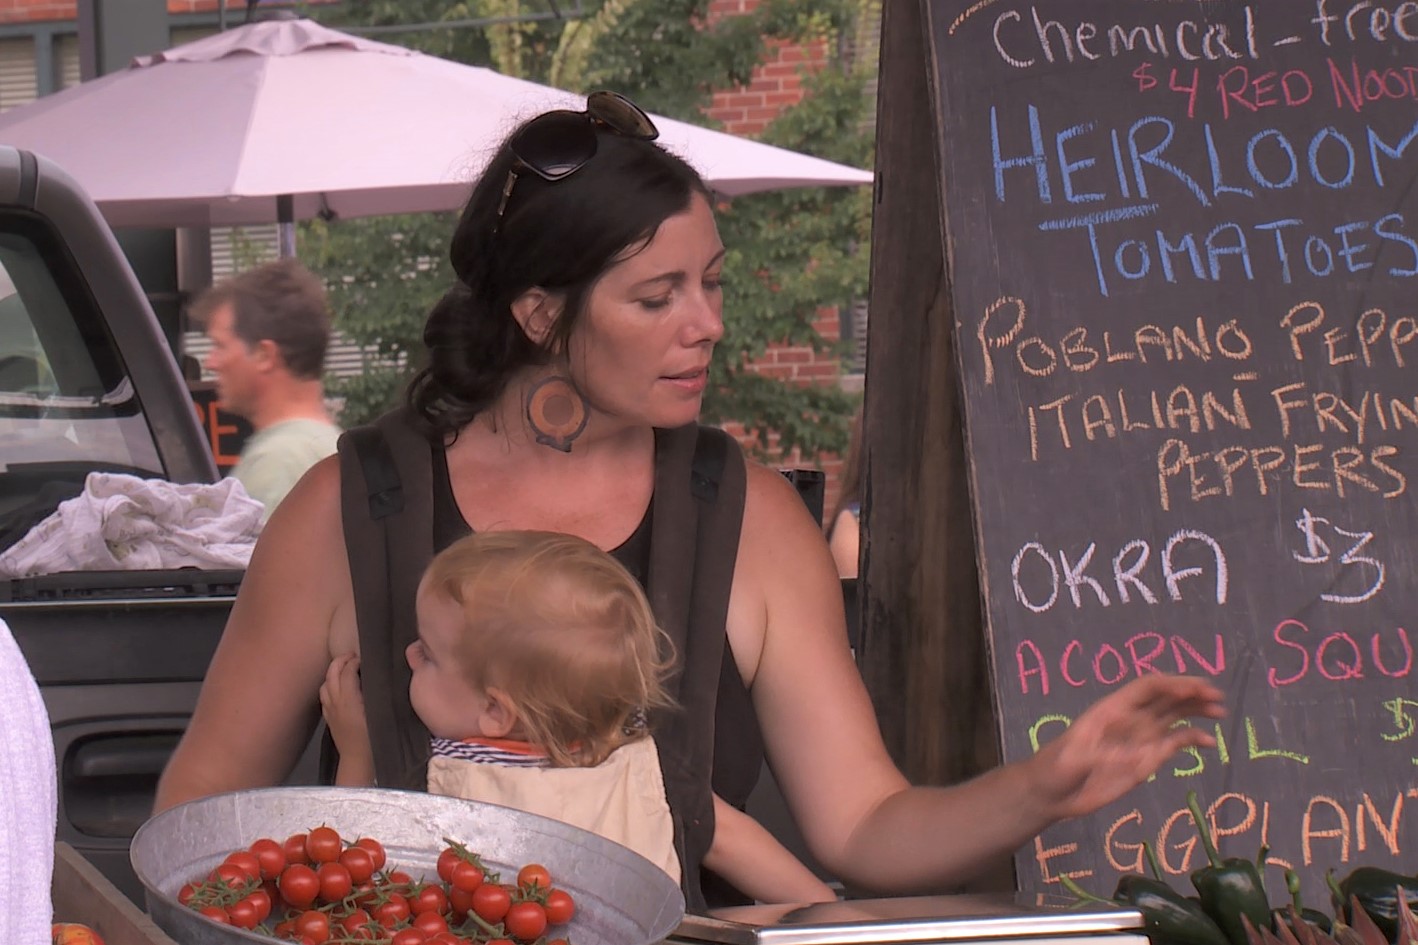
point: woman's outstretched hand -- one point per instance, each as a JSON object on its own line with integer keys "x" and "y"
{"x": 1119, "y": 741}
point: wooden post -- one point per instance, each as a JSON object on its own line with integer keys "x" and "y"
{"x": 923, "y": 650}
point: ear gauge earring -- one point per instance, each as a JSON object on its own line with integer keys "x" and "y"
{"x": 556, "y": 412}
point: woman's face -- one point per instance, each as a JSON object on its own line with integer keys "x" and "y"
{"x": 448, "y": 705}
{"x": 641, "y": 351}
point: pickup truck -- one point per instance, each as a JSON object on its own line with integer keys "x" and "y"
{"x": 89, "y": 383}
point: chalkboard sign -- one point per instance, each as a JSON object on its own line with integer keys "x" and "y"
{"x": 1183, "y": 253}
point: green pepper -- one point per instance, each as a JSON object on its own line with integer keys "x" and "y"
{"x": 1284, "y": 914}
{"x": 1168, "y": 918}
{"x": 1377, "y": 893}
{"x": 1228, "y": 888}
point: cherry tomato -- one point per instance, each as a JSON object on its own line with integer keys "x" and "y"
{"x": 432, "y": 923}
{"x": 399, "y": 878}
{"x": 262, "y": 900}
{"x": 184, "y": 895}
{"x": 391, "y": 911}
{"x": 314, "y": 925}
{"x": 294, "y": 849}
{"x": 526, "y": 921}
{"x": 270, "y": 855}
{"x": 243, "y": 914}
{"x": 335, "y": 883}
{"x": 408, "y": 936}
{"x": 460, "y": 900}
{"x": 428, "y": 899}
{"x": 355, "y": 921}
{"x": 299, "y": 885}
{"x": 466, "y": 876}
{"x": 216, "y": 914}
{"x": 491, "y": 902}
{"x": 448, "y": 859}
{"x": 560, "y": 907}
{"x": 359, "y": 862}
{"x": 245, "y": 861}
{"x": 534, "y": 874}
{"x": 375, "y": 848}
{"x": 323, "y": 845}
{"x": 231, "y": 874}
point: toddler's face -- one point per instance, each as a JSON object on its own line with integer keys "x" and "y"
{"x": 448, "y": 705}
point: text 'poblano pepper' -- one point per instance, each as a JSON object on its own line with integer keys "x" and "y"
{"x": 1228, "y": 888}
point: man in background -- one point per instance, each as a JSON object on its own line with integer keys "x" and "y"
{"x": 269, "y": 328}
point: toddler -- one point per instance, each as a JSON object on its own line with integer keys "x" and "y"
{"x": 537, "y": 661}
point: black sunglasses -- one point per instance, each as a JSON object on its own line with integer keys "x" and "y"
{"x": 558, "y": 144}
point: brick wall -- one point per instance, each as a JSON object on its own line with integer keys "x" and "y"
{"x": 775, "y": 85}
{"x": 31, "y": 11}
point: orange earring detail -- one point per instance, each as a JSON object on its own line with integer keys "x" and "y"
{"x": 556, "y": 412}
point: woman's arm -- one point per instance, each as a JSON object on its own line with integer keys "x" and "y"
{"x": 787, "y": 630}
{"x": 756, "y": 864}
{"x": 846, "y": 543}
{"x": 259, "y": 703}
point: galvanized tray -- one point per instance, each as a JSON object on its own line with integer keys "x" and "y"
{"x": 622, "y": 898}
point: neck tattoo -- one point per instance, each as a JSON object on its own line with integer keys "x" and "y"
{"x": 556, "y": 412}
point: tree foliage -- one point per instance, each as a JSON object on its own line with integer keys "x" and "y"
{"x": 791, "y": 253}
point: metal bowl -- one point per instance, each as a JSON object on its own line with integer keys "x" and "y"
{"x": 621, "y": 897}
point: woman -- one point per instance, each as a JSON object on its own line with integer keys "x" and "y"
{"x": 577, "y": 340}
{"x": 844, "y": 529}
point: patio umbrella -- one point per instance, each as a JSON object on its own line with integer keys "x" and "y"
{"x": 285, "y": 119}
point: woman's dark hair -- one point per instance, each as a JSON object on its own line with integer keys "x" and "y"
{"x": 560, "y": 236}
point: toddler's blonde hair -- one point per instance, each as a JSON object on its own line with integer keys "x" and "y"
{"x": 564, "y": 630}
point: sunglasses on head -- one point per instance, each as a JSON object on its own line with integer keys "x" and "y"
{"x": 558, "y": 144}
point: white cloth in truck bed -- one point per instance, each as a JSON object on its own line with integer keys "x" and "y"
{"x": 127, "y": 523}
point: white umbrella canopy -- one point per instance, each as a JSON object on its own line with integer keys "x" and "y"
{"x": 213, "y": 132}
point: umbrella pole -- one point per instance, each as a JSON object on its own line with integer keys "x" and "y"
{"x": 285, "y": 225}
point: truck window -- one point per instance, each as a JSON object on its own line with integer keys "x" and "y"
{"x": 67, "y": 403}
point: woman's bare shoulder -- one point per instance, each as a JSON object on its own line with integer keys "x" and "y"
{"x": 303, "y": 545}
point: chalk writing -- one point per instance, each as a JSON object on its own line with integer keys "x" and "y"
{"x": 1317, "y": 551}
{"x": 1038, "y": 580}
{"x": 1183, "y": 248}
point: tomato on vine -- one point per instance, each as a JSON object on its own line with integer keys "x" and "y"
{"x": 491, "y": 902}
{"x": 391, "y": 911}
{"x": 526, "y": 921}
{"x": 323, "y": 845}
{"x": 313, "y": 924}
{"x": 466, "y": 876}
{"x": 560, "y": 907}
{"x": 299, "y": 885}
{"x": 430, "y": 923}
{"x": 428, "y": 898}
{"x": 294, "y": 849}
{"x": 375, "y": 848}
{"x": 534, "y": 874}
{"x": 270, "y": 856}
{"x": 360, "y": 863}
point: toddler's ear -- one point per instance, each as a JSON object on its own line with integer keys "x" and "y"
{"x": 499, "y": 715}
